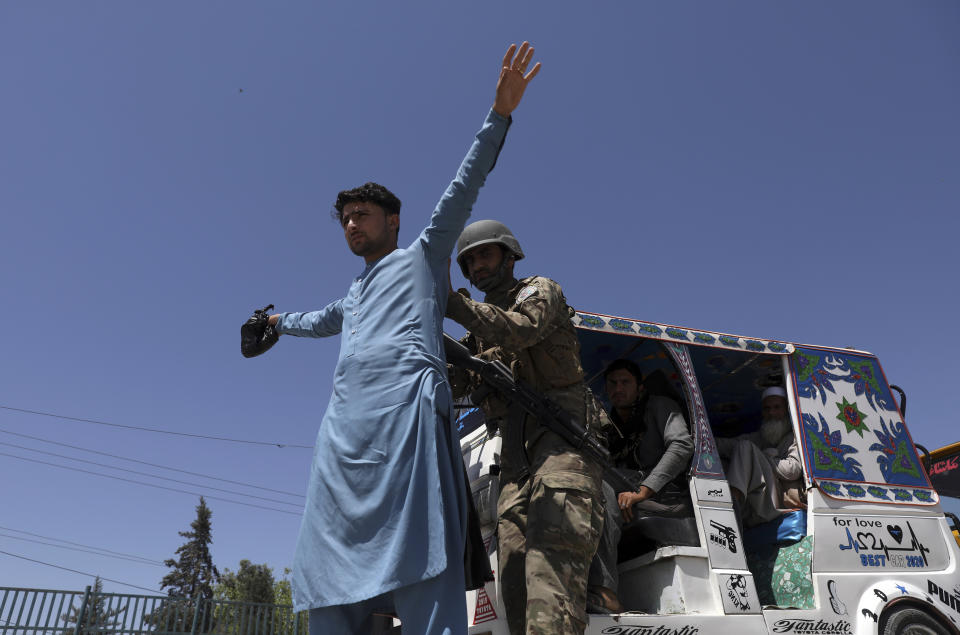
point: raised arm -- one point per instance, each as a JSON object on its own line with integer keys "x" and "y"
{"x": 454, "y": 207}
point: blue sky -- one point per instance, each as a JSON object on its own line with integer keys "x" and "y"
{"x": 780, "y": 170}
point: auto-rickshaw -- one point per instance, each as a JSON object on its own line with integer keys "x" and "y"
{"x": 871, "y": 551}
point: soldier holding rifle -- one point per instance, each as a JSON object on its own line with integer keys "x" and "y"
{"x": 551, "y": 505}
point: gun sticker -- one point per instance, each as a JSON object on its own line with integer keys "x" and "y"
{"x": 722, "y": 538}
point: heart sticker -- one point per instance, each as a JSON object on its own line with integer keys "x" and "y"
{"x": 896, "y": 531}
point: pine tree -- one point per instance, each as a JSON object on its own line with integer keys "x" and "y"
{"x": 97, "y": 616}
{"x": 192, "y": 578}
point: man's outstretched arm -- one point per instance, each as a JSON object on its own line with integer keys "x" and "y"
{"x": 454, "y": 207}
{"x": 323, "y": 323}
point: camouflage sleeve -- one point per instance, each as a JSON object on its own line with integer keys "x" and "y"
{"x": 525, "y": 324}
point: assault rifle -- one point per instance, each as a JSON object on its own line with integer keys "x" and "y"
{"x": 498, "y": 378}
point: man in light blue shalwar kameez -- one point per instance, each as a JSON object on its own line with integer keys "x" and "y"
{"x": 384, "y": 524}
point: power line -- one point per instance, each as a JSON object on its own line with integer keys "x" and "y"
{"x": 136, "y": 560}
{"x": 121, "y": 469}
{"x": 156, "y": 430}
{"x": 119, "y": 553}
{"x": 91, "y": 575}
{"x": 120, "y": 478}
{"x": 156, "y": 465}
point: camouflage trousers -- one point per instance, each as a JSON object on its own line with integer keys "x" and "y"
{"x": 548, "y": 530}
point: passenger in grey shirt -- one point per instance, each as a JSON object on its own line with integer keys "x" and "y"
{"x": 650, "y": 444}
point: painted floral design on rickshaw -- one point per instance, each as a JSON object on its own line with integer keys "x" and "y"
{"x": 878, "y": 492}
{"x": 624, "y": 326}
{"x": 829, "y": 453}
{"x": 649, "y": 329}
{"x": 856, "y": 491}
{"x": 704, "y": 338}
{"x": 729, "y": 340}
{"x": 817, "y": 372}
{"x": 896, "y": 457}
{"x": 851, "y": 417}
{"x": 592, "y": 321}
{"x": 901, "y": 494}
{"x": 707, "y": 459}
{"x": 850, "y": 388}
{"x": 830, "y": 488}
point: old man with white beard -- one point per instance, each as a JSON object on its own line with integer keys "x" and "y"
{"x": 764, "y": 469}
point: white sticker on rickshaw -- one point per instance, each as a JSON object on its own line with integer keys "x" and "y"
{"x": 812, "y": 626}
{"x": 724, "y": 543}
{"x": 711, "y": 491}
{"x": 874, "y": 543}
{"x": 739, "y": 593}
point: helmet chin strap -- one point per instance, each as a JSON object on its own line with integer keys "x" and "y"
{"x": 492, "y": 282}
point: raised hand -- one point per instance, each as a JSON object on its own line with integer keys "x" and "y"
{"x": 512, "y": 80}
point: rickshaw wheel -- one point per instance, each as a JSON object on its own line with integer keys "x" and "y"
{"x": 911, "y": 621}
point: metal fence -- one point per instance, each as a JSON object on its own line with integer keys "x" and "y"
{"x": 43, "y": 611}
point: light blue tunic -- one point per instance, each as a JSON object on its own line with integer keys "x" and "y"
{"x": 386, "y": 483}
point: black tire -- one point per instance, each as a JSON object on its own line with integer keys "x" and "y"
{"x": 911, "y": 621}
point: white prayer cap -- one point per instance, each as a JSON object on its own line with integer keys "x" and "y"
{"x": 774, "y": 391}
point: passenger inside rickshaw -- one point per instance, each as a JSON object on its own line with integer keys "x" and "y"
{"x": 650, "y": 441}
{"x": 750, "y": 419}
{"x": 651, "y": 447}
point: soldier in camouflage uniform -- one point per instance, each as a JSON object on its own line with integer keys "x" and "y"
{"x": 551, "y": 502}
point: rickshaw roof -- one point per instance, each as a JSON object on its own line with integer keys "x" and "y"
{"x": 589, "y": 321}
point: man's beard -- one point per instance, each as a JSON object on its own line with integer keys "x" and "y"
{"x": 493, "y": 279}
{"x": 772, "y": 430}
{"x": 366, "y": 246}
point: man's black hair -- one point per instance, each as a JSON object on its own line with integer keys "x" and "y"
{"x": 624, "y": 364}
{"x": 366, "y": 193}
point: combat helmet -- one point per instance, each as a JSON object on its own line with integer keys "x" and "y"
{"x": 484, "y": 232}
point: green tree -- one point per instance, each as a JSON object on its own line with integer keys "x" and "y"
{"x": 250, "y": 583}
{"x": 190, "y": 583}
{"x": 251, "y": 599}
{"x": 282, "y": 591}
{"x": 98, "y": 617}
{"x": 283, "y": 596}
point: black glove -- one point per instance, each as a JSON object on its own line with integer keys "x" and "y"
{"x": 256, "y": 334}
